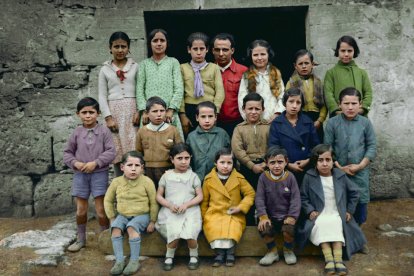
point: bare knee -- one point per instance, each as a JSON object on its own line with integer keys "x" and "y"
{"x": 81, "y": 207}
{"x": 116, "y": 232}
{"x": 173, "y": 244}
{"x": 132, "y": 233}
{"x": 192, "y": 243}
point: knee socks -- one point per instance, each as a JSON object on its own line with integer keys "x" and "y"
{"x": 135, "y": 246}
{"x": 117, "y": 245}
{"x": 81, "y": 227}
{"x": 271, "y": 246}
{"x": 169, "y": 255}
{"x": 193, "y": 254}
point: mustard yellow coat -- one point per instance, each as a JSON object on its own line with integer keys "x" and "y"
{"x": 218, "y": 198}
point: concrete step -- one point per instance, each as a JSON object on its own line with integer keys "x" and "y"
{"x": 251, "y": 245}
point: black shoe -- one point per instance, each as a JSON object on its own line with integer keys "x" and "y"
{"x": 193, "y": 265}
{"x": 168, "y": 266}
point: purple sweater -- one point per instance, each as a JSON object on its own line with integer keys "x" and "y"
{"x": 84, "y": 147}
{"x": 277, "y": 199}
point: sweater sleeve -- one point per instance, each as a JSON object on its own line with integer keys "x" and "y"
{"x": 206, "y": 199}
{"x": 329, "y": 87}
{"x": 280, "y": 107}
{"x": 260, "y": 199}
{"x": 370, "y": 142}
{"x": 178, "y": 86}
{"x": 239, "y": 150}
{"x": 352, "y": 195}
{"x": 219, "y": 89}
{"x": 138, "y": 144}
{"x": 109, "y": 153}
{"x": 248, "y": 196}
{"x": 103, "y": 93}
{"x": 109, "y": 200}
{"x": 150, "y": 188}
{"x": 366, "y": 92}
{"x": 70, "y": 151}
{"x": 140, "y": 88}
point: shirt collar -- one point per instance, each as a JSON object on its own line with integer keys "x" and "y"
{"x": 222, "y": 69}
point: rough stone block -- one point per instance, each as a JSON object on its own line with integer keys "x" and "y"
{"x": 68, "y": 79}
{"x": 16, "y": 196}
{"x": 35, "y": 78}
{"x": 52, "y": 195}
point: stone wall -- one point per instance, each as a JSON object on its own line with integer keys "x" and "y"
{"x": 51, "y": 52}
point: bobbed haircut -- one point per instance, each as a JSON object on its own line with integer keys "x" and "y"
{"x": 223, "y": 36}
{"x": 179, "y": 148}
{"x": 275, "y": 151}
{"x": 263, "y": 43}
{"x": 294, "y": 91}
{"x": 348, "y": 40}
{"x": 197, "y": 36}
{"x": 318, "y": 150}
{"x": 134, "y": 154}
{"x": 301, "y": 53}
{"x": 253, "y": 97}
{"x": 153, "y": 33}
{"x": 154, "y": 100}
{"x": 349, "y": 91}
{"x": 119, "y": 35}
{"x": 88, "y": 101}
{"x": 223, "y": 151}
{"x": 206, "y": 104}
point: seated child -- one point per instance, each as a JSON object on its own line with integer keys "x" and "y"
{"x": 206, "y": 139}
{"x": 227, "y": 198}
{"x": 329, "y": 199}
{"x": 155, "y": 140}
{"x": 179, "y": 194}
{"x": 277, "y": 205}
{"x": 89, "y": 152}
{"x": 136, "y": 210}
{"x": 249, "y": 143}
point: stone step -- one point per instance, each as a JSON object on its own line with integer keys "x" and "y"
{"x": 251, "y": 245}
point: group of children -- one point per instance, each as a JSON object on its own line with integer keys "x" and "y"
{"x": 196, "y": 183}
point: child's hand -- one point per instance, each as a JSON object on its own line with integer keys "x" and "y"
{"x": 186, "y": 123}
{"x": 79, "y": 165}
{"x": 173, "y": 208}
{"x": 169, "y": 115}
{"x": 313, "y": 215}
{"x": 263, "y": 223}
{"x": 89, "y": 167}
{"x": 302, "y": 163}
{"x": 295, "y": 167}
{"x": 151, "y": 227}
{"x": 110, "y": 123}
{"x": 317, "y": 124}
{"x": 145, "y": 118}
{"x": 353, "y": 168}
{"x": 233, "y": 210}
{"x": 290, "y": 221}
{"x": 182, "y": 208}
{"x": 135, "y": 119}
{"x": 348, "y": 217}
{"x": 259, "y": 168}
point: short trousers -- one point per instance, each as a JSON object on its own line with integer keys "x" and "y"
{"x": 361, "y": 213}
{"x": 277, "y": 227}
{"x": 85, "y": 184}
{"x": 139, "y": 223}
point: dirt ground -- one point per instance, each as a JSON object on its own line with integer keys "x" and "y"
{"x": 388, "y": 256}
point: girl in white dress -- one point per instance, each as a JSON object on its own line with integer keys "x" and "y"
{"x": 329, "y": 199}
{"x": 179, "y": 193}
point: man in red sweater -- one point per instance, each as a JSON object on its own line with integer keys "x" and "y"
{"x": 232, "y": 73}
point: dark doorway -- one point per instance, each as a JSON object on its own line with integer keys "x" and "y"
{"x": 283, "y": 27}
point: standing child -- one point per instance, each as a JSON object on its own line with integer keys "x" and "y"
{"x": 227, "y": 199}
{"x": 117, "y": 96}
{"x": 346, "y": 73}
{"x": 89, "y": 152}
{"x": 352, "y": 138}
{"x": 311, "y": 87}
{"x": 329, "y": 199}
{"x": 155, "y": 139}
{"x": 249, "y": 143}
{"x": 202, "y": 81}
{"x": 136, "y": 210}
{"x": 206, "y": 139}
{"x": 278, "y": 206}
{"x": 179, "y": 194}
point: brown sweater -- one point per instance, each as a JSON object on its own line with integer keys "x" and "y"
{"x": 249, "y": 142}
{"x": 156, "y": 145}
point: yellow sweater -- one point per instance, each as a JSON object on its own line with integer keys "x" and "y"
{"x": 133, "y": 197}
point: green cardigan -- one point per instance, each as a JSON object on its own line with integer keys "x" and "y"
{"x": 346, "y": 75}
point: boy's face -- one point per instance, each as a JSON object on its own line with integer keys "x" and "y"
{"x": 225, "y": 164}
{"x": 206, "y": 118}
{"x": 253, "y": 111}
{"x": 276, "y": 164}
{"x": 88, "y": 116}
{"x": 132, "y": 168}
{"x": 350, "y": 106}
{"x": 156, "y": 114}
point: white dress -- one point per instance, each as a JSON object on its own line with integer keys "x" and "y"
{"x": 328, "y": 225}
{"x": 179, "y": 188}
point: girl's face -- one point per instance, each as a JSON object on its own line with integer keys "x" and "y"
{"x": 159, "y": 44}
{"x": 260, "y": 58}
{"x": 277, "y": 164}
{"x": 345, "y": 52}
{"x": 304, "y": 65}
{"x": 156, "y": 114}
{"x": 198, "y": 51}
{"x": 350, "y": 106}
{"x": 225, "y": 164}
{"x": 88, "y": 116}
{"x": 324, "y": 164}
{"x": 181, "y": 162}
{"x": 119, "y": 49}
{"x": 293, "y": 105}
{"x": 132, "y": 168}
